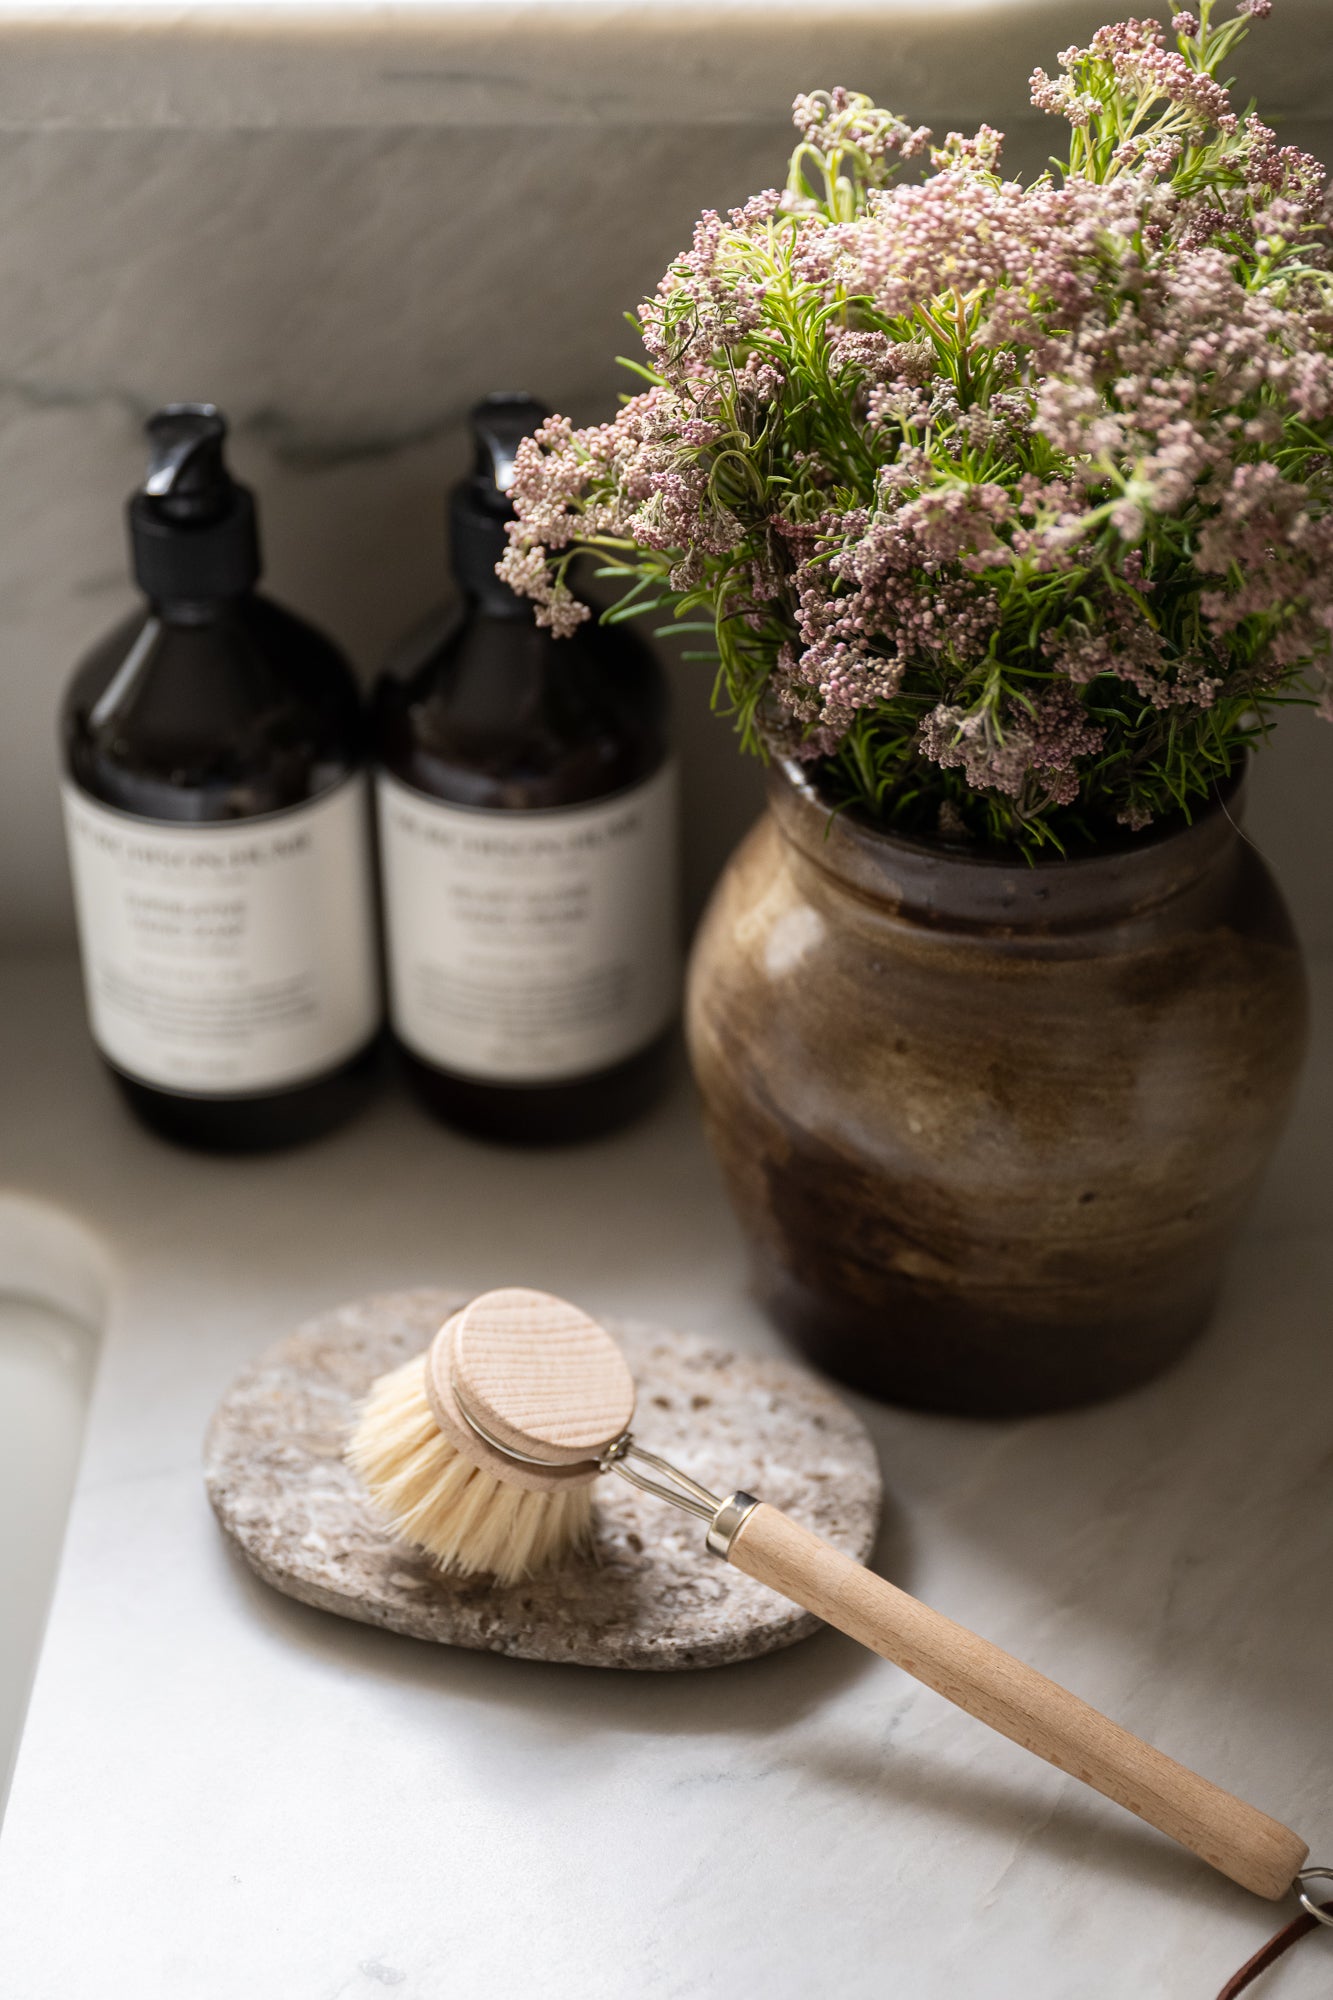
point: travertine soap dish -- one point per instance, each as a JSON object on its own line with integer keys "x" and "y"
{"x": 642, "y": 1597}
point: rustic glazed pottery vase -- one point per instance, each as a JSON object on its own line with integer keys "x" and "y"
{"x": 989, "y": 1127}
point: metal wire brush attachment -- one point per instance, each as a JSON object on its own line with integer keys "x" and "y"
{"x": 724, "y": 1517}
{"x": 673, "y": 1485}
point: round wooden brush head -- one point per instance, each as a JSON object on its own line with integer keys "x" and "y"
{"x": 540, "y": 1379}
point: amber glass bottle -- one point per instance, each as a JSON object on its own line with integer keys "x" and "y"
{"x": 218, "y": 828}
{"x": 528, "y": 846}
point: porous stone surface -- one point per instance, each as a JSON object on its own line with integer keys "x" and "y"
{"x": 647, "y": 1595}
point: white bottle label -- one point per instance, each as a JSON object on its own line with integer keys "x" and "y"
{"x": 529, "y": 947}
{"x": 232, "y": 957}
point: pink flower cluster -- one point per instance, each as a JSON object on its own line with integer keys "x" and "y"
{"x": 1135, "y": 63}
{"x": 841, "y": 118}
{"x": 1033, "y": 748}
{"x": 969, "y": 438}
{"x": 648, "y": 472}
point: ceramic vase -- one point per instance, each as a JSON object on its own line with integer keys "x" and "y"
{"x": 989, "y": 1127}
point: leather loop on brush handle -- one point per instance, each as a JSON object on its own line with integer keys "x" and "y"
{"x": 1254, "y": 1850}
{"x": 1269, "y": 1954}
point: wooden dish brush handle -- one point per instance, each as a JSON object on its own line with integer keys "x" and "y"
{"x": 1254, "y": 1850}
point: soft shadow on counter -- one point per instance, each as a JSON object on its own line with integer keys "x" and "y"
{"x": 767, "y": 1700}
{"x": 1180, "y": 1528}
{"x": 1077, "y": 1825}
{"x": 773, "y": 1692}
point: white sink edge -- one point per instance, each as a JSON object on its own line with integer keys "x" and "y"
{"x": 50, "y": 1256}
{"x": 54, "y": 1285}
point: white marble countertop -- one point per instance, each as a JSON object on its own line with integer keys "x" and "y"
{"x": 224, "y": 1794}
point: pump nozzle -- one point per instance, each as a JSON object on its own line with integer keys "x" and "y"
{"x": 480, "y": 505}
{"x": 192, "y": 526}
{"x": 499, "y": 424}
{"x": 186, "y": 468}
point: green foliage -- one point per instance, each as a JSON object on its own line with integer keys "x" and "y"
{"x": 1007, "y": 507}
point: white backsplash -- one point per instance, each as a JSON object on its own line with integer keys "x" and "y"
{"x": 323, "y": 228}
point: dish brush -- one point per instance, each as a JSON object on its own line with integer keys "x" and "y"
{"x": 484, "y": 1453}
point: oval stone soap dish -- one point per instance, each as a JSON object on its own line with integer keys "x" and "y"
{"x": 643, "y": 1597}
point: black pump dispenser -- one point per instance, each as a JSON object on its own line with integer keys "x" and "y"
{"x": 193, "y": 534}
{"x": 214, "y": 745}
{"x": 527, "y": 821}
{"x": 479, "y": 507}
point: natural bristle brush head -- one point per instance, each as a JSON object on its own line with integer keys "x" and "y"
{"x": 516, "y": 1372}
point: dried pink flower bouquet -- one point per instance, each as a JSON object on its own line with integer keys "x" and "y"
{"x": 1006, "y": 505}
